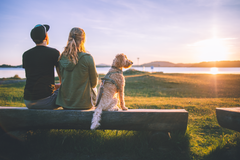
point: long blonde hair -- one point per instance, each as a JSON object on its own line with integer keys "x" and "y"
{"x": 75, "y": 44}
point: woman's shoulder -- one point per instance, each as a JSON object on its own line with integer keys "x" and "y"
{"x": 84, "y": 54}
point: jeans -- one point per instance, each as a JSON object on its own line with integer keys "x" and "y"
{"x": 45, "y": 103}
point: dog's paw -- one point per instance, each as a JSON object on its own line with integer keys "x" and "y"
{"x": 113, "y": 109}
{"x": 124, "y": 108}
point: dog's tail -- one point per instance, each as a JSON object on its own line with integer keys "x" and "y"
{"x": 96, "y": 118}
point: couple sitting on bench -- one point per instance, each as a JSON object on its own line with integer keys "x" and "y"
{"x": 75, "y": 68}
{"x": 77, "y": 74}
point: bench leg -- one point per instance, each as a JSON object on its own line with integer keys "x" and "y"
{"x": 156, "y": 135}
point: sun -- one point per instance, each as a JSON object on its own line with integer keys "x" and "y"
{"x": 214, "y": 70}
{"x": 214, "y": 49}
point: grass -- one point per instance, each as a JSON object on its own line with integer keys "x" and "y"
{"x": 199, "y": 94}
{"x": 183, "y": 85}
{"x": 12, "y": 94}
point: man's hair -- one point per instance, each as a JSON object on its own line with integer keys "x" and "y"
{"x": 38, "y": 41}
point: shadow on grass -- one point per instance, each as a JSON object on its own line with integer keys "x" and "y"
{"x": 10, "y": 147}
{"x": 84, "y": 144}
{"x": 226, "y": 150}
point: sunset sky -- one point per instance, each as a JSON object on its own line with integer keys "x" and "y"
{"x": 179, "y": 31}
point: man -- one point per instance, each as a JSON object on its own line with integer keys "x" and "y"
{"x": 39, "y": 63}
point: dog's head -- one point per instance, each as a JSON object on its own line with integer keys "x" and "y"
{"x": 121, "y": 61}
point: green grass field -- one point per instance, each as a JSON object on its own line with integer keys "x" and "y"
{"x": 199, "y": 94}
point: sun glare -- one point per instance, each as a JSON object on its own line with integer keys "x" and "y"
{"x": 214, "y": 70}
{"x": 214, "y": 49}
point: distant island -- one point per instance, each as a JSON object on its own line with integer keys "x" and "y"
{"x": 170, "y": 64}
{"x": 103, "y": 65}
{"x": 9, "y": 66}
{"x": 167, "y": 64}
{"x": 201, "y": 64}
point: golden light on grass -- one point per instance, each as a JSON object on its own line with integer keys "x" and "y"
{"x": 214, "y": 70}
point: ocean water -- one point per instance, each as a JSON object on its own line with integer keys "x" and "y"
{"x": 10, "y": 72}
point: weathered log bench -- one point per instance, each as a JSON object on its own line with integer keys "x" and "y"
{"x": 163, "y": 120}
{"x": 229, "y": 118}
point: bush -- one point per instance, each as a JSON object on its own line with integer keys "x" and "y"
{"x": 16, "y": 77}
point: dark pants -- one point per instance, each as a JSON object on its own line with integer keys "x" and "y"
{"x": 45, "y": 103}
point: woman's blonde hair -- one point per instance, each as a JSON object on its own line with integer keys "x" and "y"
{"x": 75, "y": 44}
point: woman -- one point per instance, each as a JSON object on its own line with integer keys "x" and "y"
{"x": 78, "y": 74}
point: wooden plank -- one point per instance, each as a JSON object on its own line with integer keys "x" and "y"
{"x": 18, "y": 118}
{"x": 229, "y": 118}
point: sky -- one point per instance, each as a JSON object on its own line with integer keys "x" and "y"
{"x": 178, "y": 31}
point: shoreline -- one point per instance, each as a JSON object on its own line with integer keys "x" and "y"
{"x": 9, "y": 81}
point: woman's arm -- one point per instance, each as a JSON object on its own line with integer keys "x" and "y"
{"x": 59, "y": 75}
{"x": 93, "y": 76}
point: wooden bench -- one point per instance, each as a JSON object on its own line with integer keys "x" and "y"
{"x": 229, "y": 118}
{"x": 164, "y": 120}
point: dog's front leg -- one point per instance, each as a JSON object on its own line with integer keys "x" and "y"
{"x": 121, "y": 99}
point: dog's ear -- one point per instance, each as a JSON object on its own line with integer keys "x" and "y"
{"x": 119, "y": 60}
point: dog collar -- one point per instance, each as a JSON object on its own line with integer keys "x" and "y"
{"x": 116, "y": 68}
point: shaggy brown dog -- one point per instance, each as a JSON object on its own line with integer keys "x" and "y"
{"x": 109, "y": 97}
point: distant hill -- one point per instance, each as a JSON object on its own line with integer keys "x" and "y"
{"x": 159, "y": 64}
{"x": 201, "y": 64}
{"x": 102, "y": 65}
{"x": 9, "y": 66}
{"x": 218, "y": 64}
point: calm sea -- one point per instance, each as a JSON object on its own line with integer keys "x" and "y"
{"x": 10, "y": 72}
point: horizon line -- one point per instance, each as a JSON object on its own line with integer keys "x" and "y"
{"x": 150, "y": 62}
